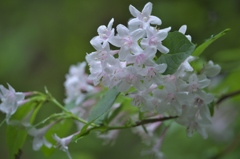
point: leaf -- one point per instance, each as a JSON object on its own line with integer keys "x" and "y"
{"x": 104, "y": 105}
{"x": 180, "y": 48}
{"x": 211, "y": 108}
{"x": 84, "y": 131}
{"x": 15, "y": 139}
{"x": 16, "y": 135}
{"x": 199, "y": 50}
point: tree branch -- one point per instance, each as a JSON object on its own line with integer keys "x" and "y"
{"x": 226, "y": 96}
{"x": 138, "y": 123}
{"x": 235, "y": 143}
{"x": 148, "y": 121}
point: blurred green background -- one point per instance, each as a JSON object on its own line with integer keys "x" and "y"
{"x": 39, "y": 40}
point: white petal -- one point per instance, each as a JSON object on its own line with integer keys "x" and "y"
{"x": 183, "y": 29}
{"x": 110, "y": 24}
{"x": 122, "y": 30}
{"x": 147, "y": 10}
{"x": 134, "y": 11}
{"x": 162, "y": 49}
{"x": 155, "y": 20}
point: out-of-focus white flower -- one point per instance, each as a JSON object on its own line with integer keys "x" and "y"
{"x": 39, "y": 140}
{"x": 77, "y": 84}
{"x": 11, "y": 100}
{"x": 62, "y": 143}
{"x": 211, "y": 70}
{"x": 195, "y": 83}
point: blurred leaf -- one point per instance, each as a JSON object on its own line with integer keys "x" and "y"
{"x": 211, "y": 108}
{"x": 197, "y": 64}
{"x": 228, "y": 59}
{"x": 180, "y": 48}
{"x": 104, "y": 104}
{"x": 204, "y": 45}
{"x": 15, "y": 139}
{"x": 16, "y": 135}
{"x": 70, "y": 105}
{"x": 229, "y": 84}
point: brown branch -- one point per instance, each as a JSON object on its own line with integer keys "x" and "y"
{"x": 148, "y": 121}
{"x": 226, "y": 96}
{"x": 235, "y": 143}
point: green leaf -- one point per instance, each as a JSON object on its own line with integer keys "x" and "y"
{"x": 15, "y": 140}
{"x": 113, "y": 114}
{"x": 204, "y": 45}
{"x": 103, "y": 105}
{"x": 16, "y": 135}
{"x": 211, "y": 108}
{"x": 180, "y": 48}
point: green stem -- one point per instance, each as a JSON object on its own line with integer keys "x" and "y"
{"x": 58, "y": 104}
{"x": 138, "y": 123}
{"x": 2, "y": 122}
{"x": 67, "y": 112}
{"x": 48, "y": 118}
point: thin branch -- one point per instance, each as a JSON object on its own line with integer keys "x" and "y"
{"x": 141, "y": 122}
{"x": 226, "y": 96}
{"x": 148, "y": 121}
{"x": 228, "y": 149}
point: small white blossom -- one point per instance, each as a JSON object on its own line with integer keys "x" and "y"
{"x": 154, "y": 39}
{"x": 127, "y": 40}
{"x": 104, "y": 33}
{"x": 39, "y": 140}
{"x": 11, "y": 100}
{"x": 62, "y": 143}
{"x": 195, "y": 83}
{"x": 211, "y": 70}
{"x": 143, "y": 19}
{"x": 77, "y": 85}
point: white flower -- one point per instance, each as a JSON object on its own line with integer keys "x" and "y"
{"x": 103, "y": 54}
{"x": 39, "y": 140}
{"x": 142, "y": 99}
{"x": 62, "y": 143}
{"x": 141, "y": 57}
{"x": 77, "y": 85}
{"x": 211, "y": 70}
{"x": 169, "y": 100}
{"x": 130, "y": 78}
{"x": 193, "y": 120}
{"x": 10, "y": 100}
{"x": 185, "y": 66}
{"x": 154, "y": 39}
{"x": 127, "y": 40}
{"x": 104, "y": 33}
{"x": 143, "y": 19}
{"x": 195, "y": 113}
{"x": 152, "y": 74}
{"x": 195, "y": 83}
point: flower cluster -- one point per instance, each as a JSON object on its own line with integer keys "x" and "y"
{"x": 133, "y": 69}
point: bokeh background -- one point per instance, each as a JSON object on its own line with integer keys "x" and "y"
{"x": 39, "y": 40}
